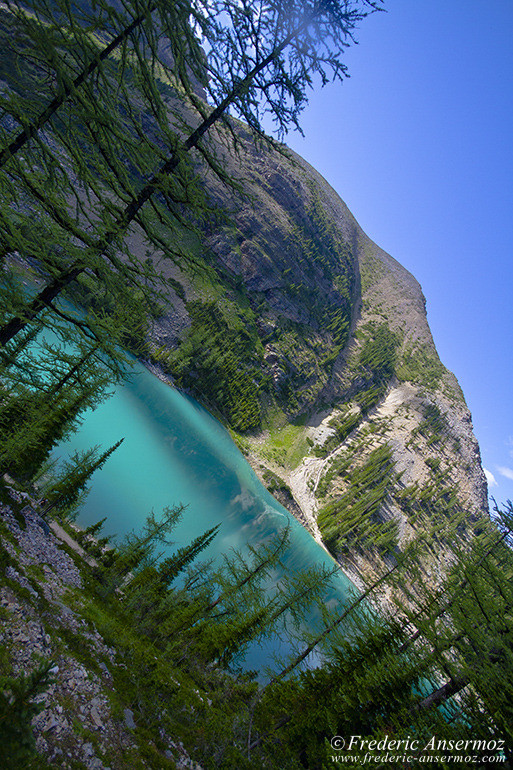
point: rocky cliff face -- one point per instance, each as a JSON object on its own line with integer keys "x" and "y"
{"x": 313, "y": 345}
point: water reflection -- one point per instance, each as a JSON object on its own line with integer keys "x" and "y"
{"x": 176, "y": 452}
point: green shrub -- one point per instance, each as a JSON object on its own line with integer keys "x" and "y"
{"x": 354, "y": 518}
{"x": 17, "y": 709}
{"x": 220, "y": 360}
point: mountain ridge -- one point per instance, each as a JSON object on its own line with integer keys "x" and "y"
{"x": 286, "y": 314}
{"x": 377, "y": 374}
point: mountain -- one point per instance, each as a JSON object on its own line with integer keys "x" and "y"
{"x": 312, "y": 344}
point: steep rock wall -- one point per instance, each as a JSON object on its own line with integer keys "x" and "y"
{"x": 367, "y": 399}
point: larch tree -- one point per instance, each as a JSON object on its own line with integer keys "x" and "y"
{"x": 66, "y": 490}
{"x": 260, "y": 59}
{"x": 438, "y": 664}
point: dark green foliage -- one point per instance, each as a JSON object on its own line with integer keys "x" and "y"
{"x": 321, "y": 245}
{"x": 65, "y": 492}
{"x": 213, "y": 612}
{"x": 301, "y": 375}
{"x": 377, "y": 679}
{"x": 6, "y": 559}
{"x": 109, "y": 125}
{"x": 367, "y": 688}
{"x": 148, "y": 596}
{"x": 434, "y": 427}
{"x": 482, "y": 618}
{"x": 129, "y": 321}
{"x": 343, "y": 425}
{"x": 138, "y": 550}
{"x": 468, "y": 628}
{"x": 220, "y": 360}
{"x": 104, "y": 133}
{"x": 98, "y": 547}
{"x": 336, "y": 320}
{"x": 17, "y": 708}
{"x": 369, "y": 397}
{"x": 44, "y": 390}
{"x": 353, "y": 520}
{"x": 177, "y": 628}
{"x": 350, "y": 695}
{"x": 31, "y": 425}
{"x": 380, "y": 677}
{"x": 376, "y": 364}
{"x": 94, "y": 529}
{"x": 394, "y": 678}
{"x": 170, "y": 568}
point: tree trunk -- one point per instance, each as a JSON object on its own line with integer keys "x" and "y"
{"x": 450, "y": 688}
{"x": 18, "y": 323}
{"x": 42, "y": 300}
{"x": 33, "y": 128}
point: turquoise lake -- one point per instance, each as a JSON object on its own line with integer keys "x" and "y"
{"x": 176, "y": 452}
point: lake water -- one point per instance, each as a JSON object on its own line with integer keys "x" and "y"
{"x": 176, "y": 452}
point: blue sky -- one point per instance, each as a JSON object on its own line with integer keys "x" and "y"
{"x": 419, "y": 144}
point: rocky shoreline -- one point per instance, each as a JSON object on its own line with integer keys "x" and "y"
{"x": 80, "y": 723}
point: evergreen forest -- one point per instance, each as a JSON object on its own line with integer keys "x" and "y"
{"x": 121, "y": 122}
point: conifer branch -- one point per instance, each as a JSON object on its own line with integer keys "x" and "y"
{"x": 130, "y": 211}
{"x": 37, "y": 124}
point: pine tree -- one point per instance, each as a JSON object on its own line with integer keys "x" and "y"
{"x": 472, "y": 628}
{"x": 17, "y": 709}
{"x": 138, "y": 551}
{"x": 289, "y": 45}
{"x": 31, "y": 426}
{"x": 65, "y": 492}
{"x": 43, "y": 391}
{"x": 91, "y": 153}
{"x": 148, "y": 598}
{"x": 121, "y": 25}
{"x": 396, "y": 676}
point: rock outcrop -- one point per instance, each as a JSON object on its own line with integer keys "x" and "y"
{"x": 316, "y": 334}
{"x": 42, "y": 618}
